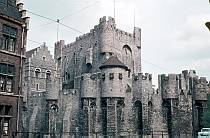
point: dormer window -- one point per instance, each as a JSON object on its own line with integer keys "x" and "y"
{"x": 37, "y": 72}
{"x": 48, "y": 74}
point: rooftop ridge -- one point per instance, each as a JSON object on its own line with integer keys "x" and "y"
{"x": 113, "y": 61}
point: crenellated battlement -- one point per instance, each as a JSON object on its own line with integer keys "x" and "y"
{"x": 109, "y": 23}
{"x": 109, "y": 20}
{"x": 124, "y": 33}
{"x": 202, "y": 80}
{"x": 145, "y": 76}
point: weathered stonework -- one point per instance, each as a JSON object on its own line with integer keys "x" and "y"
{"x": 40, "y": 89}
{"x": 183, "y": 94}
{"x": 96, "y": 87}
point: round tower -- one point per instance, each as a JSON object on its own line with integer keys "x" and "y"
{"x": 106, "y": 34}
{"x": 113, "y": 83}
{"x": 114, "y": 74}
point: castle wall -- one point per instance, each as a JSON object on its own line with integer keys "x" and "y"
{"x": 179, "y": 91}
{"x": 70, "y": 111}
{"x": 169, "y": 86}
{"x": 115, "y": 99}
{"x": 103, "y": 40}
{"x": 158, "y": 122}
{"x": 89, "y": 86}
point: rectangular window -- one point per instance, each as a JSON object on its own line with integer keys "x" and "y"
{"x": 2, "y": 83}
{"x": 111, "y": 76}
{"x": 103, "y": 76}
{"x": 1, "y": 109}
{"x": 3, "y": 1}
{"x": 37, "y": 87}
{"x": 120, "y": 76}
{"x": 7, "y": 73}
{"x": 11, "y": 44}
{"x": 6, "y": 126}
{"x": 2, "y": 43}
{"x": 3, "y": 68}
{"x": 8, "y": 43}
{"x": 9, "y": 84}
{"x": 10, "y": 31}
{"x": 8, "y": 110}
{"x": 11, "y": 70}
{"x": 9, "y": 38}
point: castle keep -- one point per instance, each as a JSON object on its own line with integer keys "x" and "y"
{"x": 95, "y": 86}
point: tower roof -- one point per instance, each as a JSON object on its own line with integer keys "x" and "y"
{"x": 113, "y": 61}
{"x": 9, "y": 9}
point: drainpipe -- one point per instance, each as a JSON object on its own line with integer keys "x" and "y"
{"x": 20, "y": 73}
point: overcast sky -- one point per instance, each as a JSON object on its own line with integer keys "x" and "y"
{"x": 174, "y": 36}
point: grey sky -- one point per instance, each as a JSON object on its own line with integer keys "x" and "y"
{"x": 174, "y": 36}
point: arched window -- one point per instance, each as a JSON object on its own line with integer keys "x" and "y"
{"x": 37, "y": 72}
{"x": 150, "y": 111}
{"x": 48, "y": 74}
{"x": 127, "y": 56}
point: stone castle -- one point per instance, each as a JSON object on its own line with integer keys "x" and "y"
{"x": 95, "y": 86}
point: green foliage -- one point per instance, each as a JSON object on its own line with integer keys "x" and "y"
{"x": 206, "y": 115}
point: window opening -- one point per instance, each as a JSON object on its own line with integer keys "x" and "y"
{"x": 6, "y": 126}
{"x": 37, "y": 87}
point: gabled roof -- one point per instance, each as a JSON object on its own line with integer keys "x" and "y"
{"x": 8, "y": 8}
{"x": 30, "y": 52}
{"x": 113, "y": 61}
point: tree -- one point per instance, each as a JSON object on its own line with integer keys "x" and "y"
{"x": 206, "y": 115}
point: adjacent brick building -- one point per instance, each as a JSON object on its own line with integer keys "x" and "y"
{"x": 13, "y": 32}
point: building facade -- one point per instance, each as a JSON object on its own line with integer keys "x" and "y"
{"x": 40, "y": 70}
{"x": 13, "y": 32}
{"x": 103, "y": 69}
{"x": 184, "y": 100}
{"x": 96, "y": 87}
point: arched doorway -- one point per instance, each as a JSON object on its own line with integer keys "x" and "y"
{"x": 138, "y": 117}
